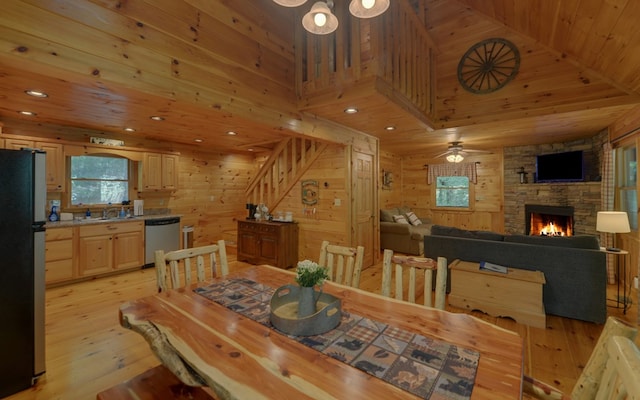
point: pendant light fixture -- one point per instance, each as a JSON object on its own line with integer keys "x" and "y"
{"x": 368, "y": 8}
{"x": 290, "y": 3}
{"x": 321, "y": 21}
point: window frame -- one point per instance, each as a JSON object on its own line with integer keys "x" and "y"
{"x": 623, "y": 183}
{"x": 450, "y": 208}
{"x": 132, "y": 168}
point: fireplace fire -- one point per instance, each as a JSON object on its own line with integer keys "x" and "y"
{"x": 548, "y": 220}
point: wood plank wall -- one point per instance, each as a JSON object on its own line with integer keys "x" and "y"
{"x": 410, "y": 188}
{"x": 211, "y": 189}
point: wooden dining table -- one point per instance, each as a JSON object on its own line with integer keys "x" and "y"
{"x": 205, "y": 343}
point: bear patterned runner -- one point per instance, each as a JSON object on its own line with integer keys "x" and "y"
{"x": 428, "y": 368}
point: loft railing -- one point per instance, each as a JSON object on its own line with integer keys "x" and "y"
{"x": 394, "y": 47}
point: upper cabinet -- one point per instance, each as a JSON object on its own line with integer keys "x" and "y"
{"x": 54, "y": 160}
{"x": 159, "y": 172}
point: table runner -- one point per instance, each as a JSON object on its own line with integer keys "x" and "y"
{"x": 427, "y": 367}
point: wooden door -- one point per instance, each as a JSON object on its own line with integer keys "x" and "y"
{"x": 152, "y": 171}
{"x": 169, "y": 172}
{"x": 55, "y": 165}
{"x": 363, "y": 204}
{"x": 128, "y": 250}
{"x": 96, "y": 255}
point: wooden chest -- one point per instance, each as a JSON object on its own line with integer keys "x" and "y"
{"x": 516, "y": 294}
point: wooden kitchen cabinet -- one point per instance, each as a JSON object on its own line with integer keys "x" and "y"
{"x": 159, "y": 172}
{"x": 273, "y": 243}
{"x": 54, "y": 160}
{"x": 105, "y": 248}
{"x": 58, "y": 255}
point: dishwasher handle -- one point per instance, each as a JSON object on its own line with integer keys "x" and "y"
{"x": 162, "y": 221}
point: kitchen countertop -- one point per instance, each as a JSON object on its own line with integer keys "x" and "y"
{"x": 99, "y": 220}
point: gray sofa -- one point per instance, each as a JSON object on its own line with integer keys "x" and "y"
{"x": 402, "y": 238}
{"x": 574, "y": 267}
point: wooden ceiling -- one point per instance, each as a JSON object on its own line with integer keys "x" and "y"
{"x": 212, "y": 66}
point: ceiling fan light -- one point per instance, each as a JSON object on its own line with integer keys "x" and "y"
{"x": 455, "y": 158}
{"x": 290, "y": 3}
{"x": 319, "y": 20}
{"x": 368, "y": 8}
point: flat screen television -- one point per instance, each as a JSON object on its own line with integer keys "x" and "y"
{"x": 560, "y": 167}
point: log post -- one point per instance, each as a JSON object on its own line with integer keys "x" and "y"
{"x": 587, "y": 385}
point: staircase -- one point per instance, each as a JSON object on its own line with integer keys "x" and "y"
{"x": 283, "y": 170}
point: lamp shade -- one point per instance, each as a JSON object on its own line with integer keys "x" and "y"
{"x": 290, "y": 3}
{"x": 455, "y": 158}
{"x": 319, "y": 19}
{"x": 612, "y": 222}
{"x": 368, "y": 8}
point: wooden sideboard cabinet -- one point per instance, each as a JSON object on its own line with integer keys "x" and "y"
{"x": 273, "y": 243}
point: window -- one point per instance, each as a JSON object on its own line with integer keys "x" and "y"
{"x": 452, "y": 191}
{"x": 99, "y": 180}
{"x": 627, "y": 177}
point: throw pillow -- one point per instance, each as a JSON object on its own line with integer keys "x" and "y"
{"x": 413, "y": 218}
{"x": 387, "y": 215}
{"x": 400, "y": 219}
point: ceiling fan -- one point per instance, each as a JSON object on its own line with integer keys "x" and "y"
{"x": 456, "y": 153}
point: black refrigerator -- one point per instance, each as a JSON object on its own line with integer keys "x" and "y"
{"x": 22, "y": 289}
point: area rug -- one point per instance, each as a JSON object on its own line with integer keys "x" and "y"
{"x": 427, "y": 367}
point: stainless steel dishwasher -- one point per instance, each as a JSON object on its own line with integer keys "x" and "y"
{"x": 160, "y": 234}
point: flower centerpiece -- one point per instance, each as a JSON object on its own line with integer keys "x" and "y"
{"x": 308, "y": 275}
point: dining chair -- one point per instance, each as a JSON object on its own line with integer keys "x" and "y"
{"x": 344, "y": 263}
{"x": 613, "y": 369}
{"x": 425, "y": 266}
{"x": 181, "y": 262}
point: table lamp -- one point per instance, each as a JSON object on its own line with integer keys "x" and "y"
{"x": 612, "y": 222}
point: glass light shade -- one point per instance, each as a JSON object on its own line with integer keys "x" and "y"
{"x": 290, "y": 3}
{"x": 454, "y": 158}
{"x": 313, "y": 22}
{"x": 368, "y": 8}
{"x": 612, "y": 222}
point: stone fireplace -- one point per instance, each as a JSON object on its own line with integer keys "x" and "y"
{"x": 541, "y": 220}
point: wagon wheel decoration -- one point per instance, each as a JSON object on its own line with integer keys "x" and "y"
{"x": 488, "y": 65}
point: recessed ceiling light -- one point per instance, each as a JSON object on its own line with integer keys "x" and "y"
{"x": 250, "y": 149}
{"x": 350, "y": 110}
{"x": 390, "y": 128}
{"x": 129, "y": 129}
{"x": 157, "y": 118}
{"x": 231, "y": 133}
{"x": 36, "y": 93}
{"x": 197, "y": 140}
{"x": 29, "y": 113}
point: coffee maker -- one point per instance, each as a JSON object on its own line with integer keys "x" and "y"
{"x": 252, "y": 210}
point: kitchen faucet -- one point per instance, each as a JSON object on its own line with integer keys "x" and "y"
{"x": 106, "y": 211}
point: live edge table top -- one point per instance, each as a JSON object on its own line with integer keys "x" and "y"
{"x": 242, "y": 359}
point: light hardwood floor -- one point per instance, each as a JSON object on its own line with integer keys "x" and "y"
{"x": 88, "y": 351}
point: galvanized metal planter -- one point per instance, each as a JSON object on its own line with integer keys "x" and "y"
{"x": 284, "y": 313}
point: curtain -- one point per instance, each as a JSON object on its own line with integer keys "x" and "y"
{"x": 453, "y": 169}
{"x": 607, "y": 203}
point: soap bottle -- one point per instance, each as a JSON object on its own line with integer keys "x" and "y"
{"x": 122, "y": 213}
{"x": 53, "y": 216}
{"x": 87, "y": 215}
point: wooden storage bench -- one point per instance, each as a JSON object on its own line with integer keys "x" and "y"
{"x": 516, "y": 294}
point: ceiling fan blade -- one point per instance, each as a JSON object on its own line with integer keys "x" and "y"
{"x": 443, "y": 154}
{"x": 477, "y": 151}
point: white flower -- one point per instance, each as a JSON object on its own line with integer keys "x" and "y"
{"x": 309, "y": 274}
